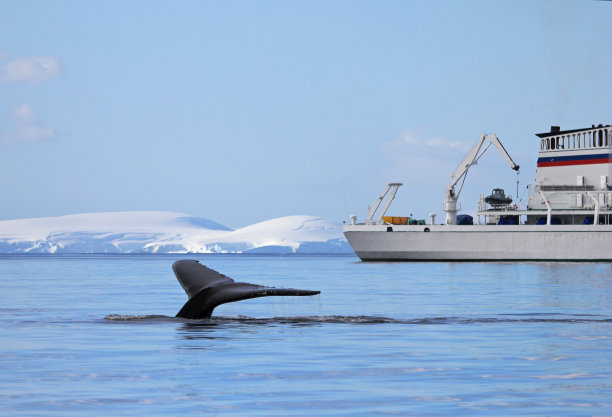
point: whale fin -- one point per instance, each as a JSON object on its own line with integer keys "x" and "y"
{"x": 194, "y": 277}
{"x": 207, "y": 289}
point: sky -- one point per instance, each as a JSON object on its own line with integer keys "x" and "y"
{"x": 244, "y": 111}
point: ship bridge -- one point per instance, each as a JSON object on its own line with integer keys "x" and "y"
{"x": 573, "y": 171}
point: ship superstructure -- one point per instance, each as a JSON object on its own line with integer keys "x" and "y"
{"x": 573, "y": 176}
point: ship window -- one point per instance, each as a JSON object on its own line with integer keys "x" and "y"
{"x": 600, "y": 138}
{"x": 573, "y": 141}
{"x": 547, "y": 143}
{"x": 552, "y": 143}
{"x": 542, "y": 144}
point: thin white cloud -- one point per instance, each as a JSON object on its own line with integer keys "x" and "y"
{"x": 415, "y": 140}
{"x": 30, "y": 70}
{"x": 409, "y": 137}
{"x": 26, "y": 126}
{"x": 411, "y": 143}
{"x": 435, "y": 142}
{"x": 441, "y": 142}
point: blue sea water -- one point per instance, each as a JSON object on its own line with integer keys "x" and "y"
{"x": 95, "y": 335}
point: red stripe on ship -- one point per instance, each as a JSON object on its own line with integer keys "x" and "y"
{"x": 575, "y": 162}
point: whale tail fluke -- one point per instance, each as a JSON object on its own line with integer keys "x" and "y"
{"x": 208, "y": 288}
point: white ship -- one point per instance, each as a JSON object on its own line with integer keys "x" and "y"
{"x": 567, "y": 217}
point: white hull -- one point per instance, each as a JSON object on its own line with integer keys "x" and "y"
{"x": 481, "y": 242}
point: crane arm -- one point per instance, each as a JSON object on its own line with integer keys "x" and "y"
{"x": 495, "y": 141}
{"x": 472, "y": 158}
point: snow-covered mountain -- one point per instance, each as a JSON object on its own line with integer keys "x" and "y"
{"x": 165, "y": 232}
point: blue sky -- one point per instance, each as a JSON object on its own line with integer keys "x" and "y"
{"x": 242, "y": 111}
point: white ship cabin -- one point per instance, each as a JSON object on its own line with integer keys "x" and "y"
{"x": 572, "y": 184}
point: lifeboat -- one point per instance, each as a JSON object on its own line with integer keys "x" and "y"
{"x": 498, "y": 198}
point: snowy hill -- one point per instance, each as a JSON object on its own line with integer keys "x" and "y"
{"x": 165, "y": 232}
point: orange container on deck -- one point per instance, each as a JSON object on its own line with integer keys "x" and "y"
{"x": 396, "y": 220}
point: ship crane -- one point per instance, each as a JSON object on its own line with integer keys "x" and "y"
{"x": 472, "y": 157}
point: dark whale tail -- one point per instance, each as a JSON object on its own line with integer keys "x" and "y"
{"x": 207, "y": 289}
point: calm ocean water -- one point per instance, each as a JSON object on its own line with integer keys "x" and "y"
{"x": 94, "y": 335}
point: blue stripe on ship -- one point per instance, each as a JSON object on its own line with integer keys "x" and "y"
{"x": 575, "y": 157}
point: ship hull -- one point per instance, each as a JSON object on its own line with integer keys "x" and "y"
{"x": 481, "y": 242}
